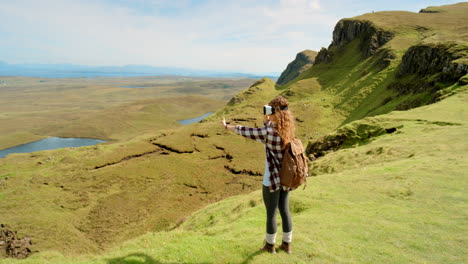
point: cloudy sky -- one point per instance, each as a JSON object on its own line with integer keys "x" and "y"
{"x": 240, "y": 35}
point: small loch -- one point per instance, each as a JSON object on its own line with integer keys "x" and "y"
{"x": 194, "y": 120}
{"x": 50, "y": 143}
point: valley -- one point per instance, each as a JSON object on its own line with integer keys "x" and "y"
{"x": 34, "y": 108}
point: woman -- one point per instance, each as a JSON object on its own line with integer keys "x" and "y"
{"x": 277, "y": 132}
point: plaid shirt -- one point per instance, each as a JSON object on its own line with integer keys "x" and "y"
{"x": 272, "y": 141}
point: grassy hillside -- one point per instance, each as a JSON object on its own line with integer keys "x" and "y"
{"x": 397, "y": 198}
{"x": 358, "y": 86}
{"x": 389, "y": 185}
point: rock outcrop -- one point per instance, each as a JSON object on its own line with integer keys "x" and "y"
{"x": 12, "y": 246}
{"x": 303, "y": 61}
{"x": 430, "y": 9}
{"x": 357, "y": 133}
{"x": 430, "y": 69}
{"x": 431, "y": 59}
{"x": 347, "y": 30}
{"x": 324, "y": 56}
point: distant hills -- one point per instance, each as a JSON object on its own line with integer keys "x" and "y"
{"x": 77, "y": 71}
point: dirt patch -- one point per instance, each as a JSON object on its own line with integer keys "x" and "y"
{"x": 127, "y": 158}
{"x": 199, "y": 135}
{"x": 243, "y": 171}
{"x": 170, "y": 149}
{"x": 11, "y": 246}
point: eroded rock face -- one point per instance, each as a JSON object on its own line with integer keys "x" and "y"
{"x": 12, "y": 246}
{"x": 347, "y": 30}
{"x": 431, "y": 59}
{"x": 303, "y": 61}
{"x": 372, "y": 37}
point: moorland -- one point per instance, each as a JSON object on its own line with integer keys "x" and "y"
{"x": 105, "y": 108}
{"x": 383, "y": 112}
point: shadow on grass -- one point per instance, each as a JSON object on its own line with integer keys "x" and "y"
{"x": 249, "y": 258}
{"x": 140, "y": 258}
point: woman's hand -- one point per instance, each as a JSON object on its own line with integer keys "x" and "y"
{"x": 226, "y": 126}
{"x": 224, "y": 122}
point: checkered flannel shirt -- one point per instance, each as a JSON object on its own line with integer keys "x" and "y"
{"x": 274, "y": 155}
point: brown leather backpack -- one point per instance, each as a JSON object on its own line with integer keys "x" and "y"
{"x": 294, "y": 166}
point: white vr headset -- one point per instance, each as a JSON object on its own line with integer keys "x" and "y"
{"x": 269, "y": 110}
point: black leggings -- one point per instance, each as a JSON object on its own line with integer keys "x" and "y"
{"x": 273, "y": 201}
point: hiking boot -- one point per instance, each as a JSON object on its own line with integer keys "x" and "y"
{"x": 269, "y": 248}
{"x": 286, "y": 247}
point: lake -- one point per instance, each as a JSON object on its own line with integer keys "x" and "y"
{"x": 193, "y": 120}
{"x": 50, "y": 143}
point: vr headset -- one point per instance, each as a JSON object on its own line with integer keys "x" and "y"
{"x": 269, "y": 110}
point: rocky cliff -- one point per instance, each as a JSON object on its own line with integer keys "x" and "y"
{"x": 303, "y": 61}
{"x": 347, "y": 30}
{"x": 431, "y": 59}
{"x": 430, "y": 72}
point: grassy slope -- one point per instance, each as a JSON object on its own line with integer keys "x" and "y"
{"x": 167, "y": 171}
{"x": 397, "y": 199}
{"x": 81, "y": 204}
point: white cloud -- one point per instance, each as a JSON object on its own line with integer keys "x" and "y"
{"x": 237, "y": 36}
{"x": 242, "y": 35}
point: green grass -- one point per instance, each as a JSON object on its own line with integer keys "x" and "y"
{"x": 398, "y": 198}
{"x": 406, "y": 204}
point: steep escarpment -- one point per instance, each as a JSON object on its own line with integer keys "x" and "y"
{"x": 371, "y": 38}
{"x": 303, "y": 61}
{"x": 390, "y": 61}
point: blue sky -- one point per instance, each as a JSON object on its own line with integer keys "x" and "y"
{"x": 242, "y": 35}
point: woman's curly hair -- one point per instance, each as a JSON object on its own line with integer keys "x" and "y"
{"x": 284, "y": 119}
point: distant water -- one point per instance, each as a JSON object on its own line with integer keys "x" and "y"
{"x": 194, "y": 120}
{"x": 50, "y": 143}
{"x": 136, "y": 86}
